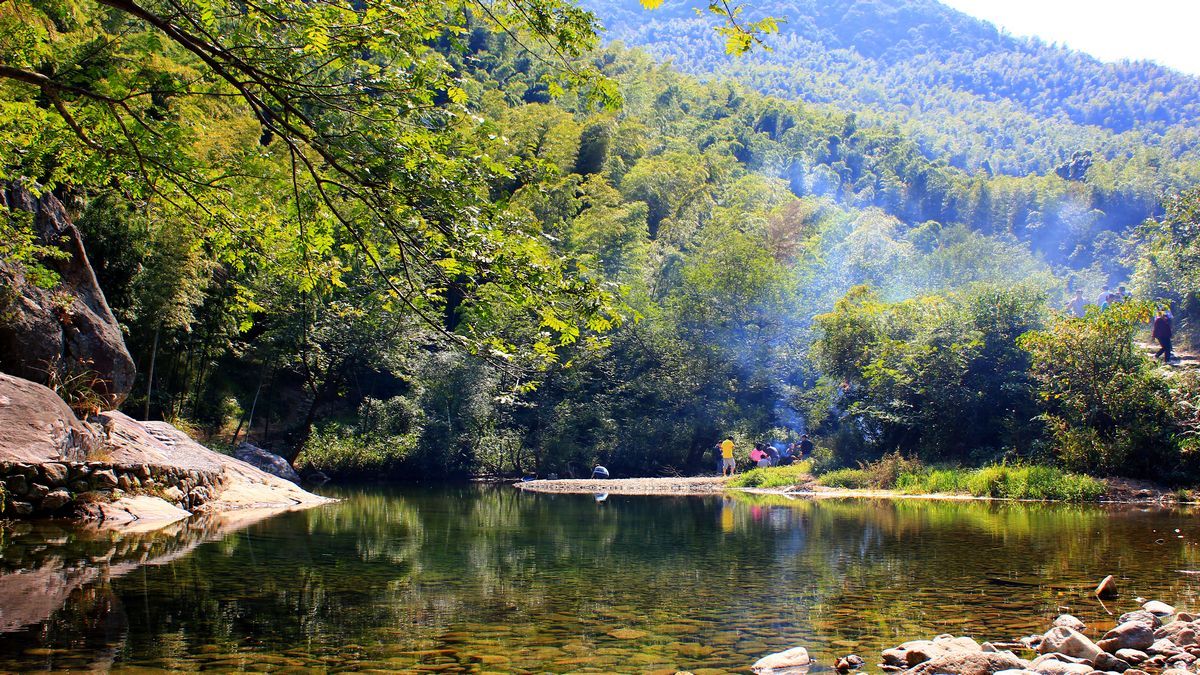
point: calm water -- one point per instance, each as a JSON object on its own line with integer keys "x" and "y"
{"x": 478, "y": 579}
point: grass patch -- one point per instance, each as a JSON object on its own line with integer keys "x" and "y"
{"x": 849, "y": 479}
{"x": 774, "y": 476}
{"x": 1005, "y": 482}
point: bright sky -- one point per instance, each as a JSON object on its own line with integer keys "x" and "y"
{"x": 1157, "y": 30}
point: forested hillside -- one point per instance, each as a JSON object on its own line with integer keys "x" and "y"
{"x": 970, "y": 93}
{"x": 438, "y": 243}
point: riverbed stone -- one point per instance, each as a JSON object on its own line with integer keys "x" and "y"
{"x": 1063, "y": 640}
{"x": 785, "y": 661}
{"x": 1068, "y": 621}
{"x": 55, "y": 500}
{"x": 1185, "y": 617}
{"x": 1133, "y": 656}
{"x": 1163, "y": 646}
{"x": 1108, "y": 662}
{"x": 1159, "y": 609}
{"x": 969, "y": 663}
{"x": 911, "y": 653}
{"x": 1142, "y": 616}
{"x": 1129, "y": 635}
{"x": 1179, "y": 632}
{"x": 1059, "y": 667}
{"x": 848, "y": 663}
{"x": 21, "y": 508}
{"x": 1107, "y": 588}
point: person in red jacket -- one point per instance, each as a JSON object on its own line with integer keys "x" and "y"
{"x": 1161, "y": 331}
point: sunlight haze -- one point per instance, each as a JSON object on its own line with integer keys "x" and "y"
{"x": 1156, "y": 30}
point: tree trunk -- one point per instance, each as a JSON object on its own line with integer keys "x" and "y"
{"x": 150, "y": 375}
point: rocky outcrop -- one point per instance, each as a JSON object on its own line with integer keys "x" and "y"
{"x": 36, "y": 426}
{"x": 119, "y": 471}
{"x": 267, "y": 461}
{"x": 68, "y": 329}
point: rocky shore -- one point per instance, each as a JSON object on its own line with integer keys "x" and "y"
{"x": 116, "y": 470}
{"x": 1153, "y": 639}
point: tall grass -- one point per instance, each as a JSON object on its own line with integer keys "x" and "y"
{"x": 1005, "y": 482}
{"x": 775, "y": 476}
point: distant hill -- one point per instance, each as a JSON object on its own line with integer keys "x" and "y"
{"x": 970, "y": 92}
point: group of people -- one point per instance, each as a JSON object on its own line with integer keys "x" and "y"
{"x": 1077, "y": 306}
{"x": 1161, "y": 329}
{"x": 763, "y": 454}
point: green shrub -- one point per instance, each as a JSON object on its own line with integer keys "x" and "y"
{"x": 775, "y": 476}
{"x": 386, "y": 437}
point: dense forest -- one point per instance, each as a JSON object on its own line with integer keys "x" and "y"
{"x": 967, "y": 92}
{"x": 466, "y": 238}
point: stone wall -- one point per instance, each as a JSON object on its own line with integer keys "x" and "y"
{"x": 56, "y": 488}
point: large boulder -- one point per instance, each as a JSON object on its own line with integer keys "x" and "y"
{"x": 267, "y": 461}
{"x": 68, "y": 329}
{"x": 969, "y": 663}
{"x": 37, "y": 426}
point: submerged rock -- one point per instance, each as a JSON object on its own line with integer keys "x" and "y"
{"x": 793, "y": 660}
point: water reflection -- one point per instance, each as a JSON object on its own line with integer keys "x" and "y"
{"x": 468, "y": 579}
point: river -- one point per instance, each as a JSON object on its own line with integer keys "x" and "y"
{"x": 491, "y": 579}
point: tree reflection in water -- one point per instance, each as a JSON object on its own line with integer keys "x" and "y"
{"x": 489, "y": 577}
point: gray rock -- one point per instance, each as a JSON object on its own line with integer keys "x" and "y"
{"x": 1159, "y": 609}
{"x": 1068, "y": 621}
{"x": 914, "y": 652}
{"x": 21, "y": 508}
{"x": 1109, "y": 662}
{"x": 1058, "y": 667}
{"x": 16, "y": 485}
{"x": 55, "y": 473}
{"x": 1129, "y": 635}
{"x": 1178, "y": 632}
{"x": 969, "y": 663}
{"x": 1141, "y": 616}
{"x": 125, "y": 482}
{"x": 56, "y": 500}
{"x": 1070, "y": 642}
{"x": 173, "y": 495}
{"x": 81, "y": 337}
{"x": 267, "y": 461}
{"x": 104, "y": 479}
{"x": 1132, "y": 656}
{"x": 1165, "y": 647}
{"x": 80, "y": 486}
{"x": 36, "y": 492}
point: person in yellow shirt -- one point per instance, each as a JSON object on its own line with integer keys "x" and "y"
{"x": 728, "y": 465}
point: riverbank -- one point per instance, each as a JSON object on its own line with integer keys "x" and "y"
{"x": 1117, "y": 490}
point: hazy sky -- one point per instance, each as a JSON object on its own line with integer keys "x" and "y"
{"x": 1157, "y": 30}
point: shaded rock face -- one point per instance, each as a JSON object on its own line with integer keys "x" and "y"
{"x": 38, "y": 427}
{"x": 267, "y": 461}
{"x": 69, "y": 328}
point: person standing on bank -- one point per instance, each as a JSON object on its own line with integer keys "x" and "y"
{"x": 1161, "y": 330}
{"x": 728, "y": 464}
{"x": 806, "y": 447}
